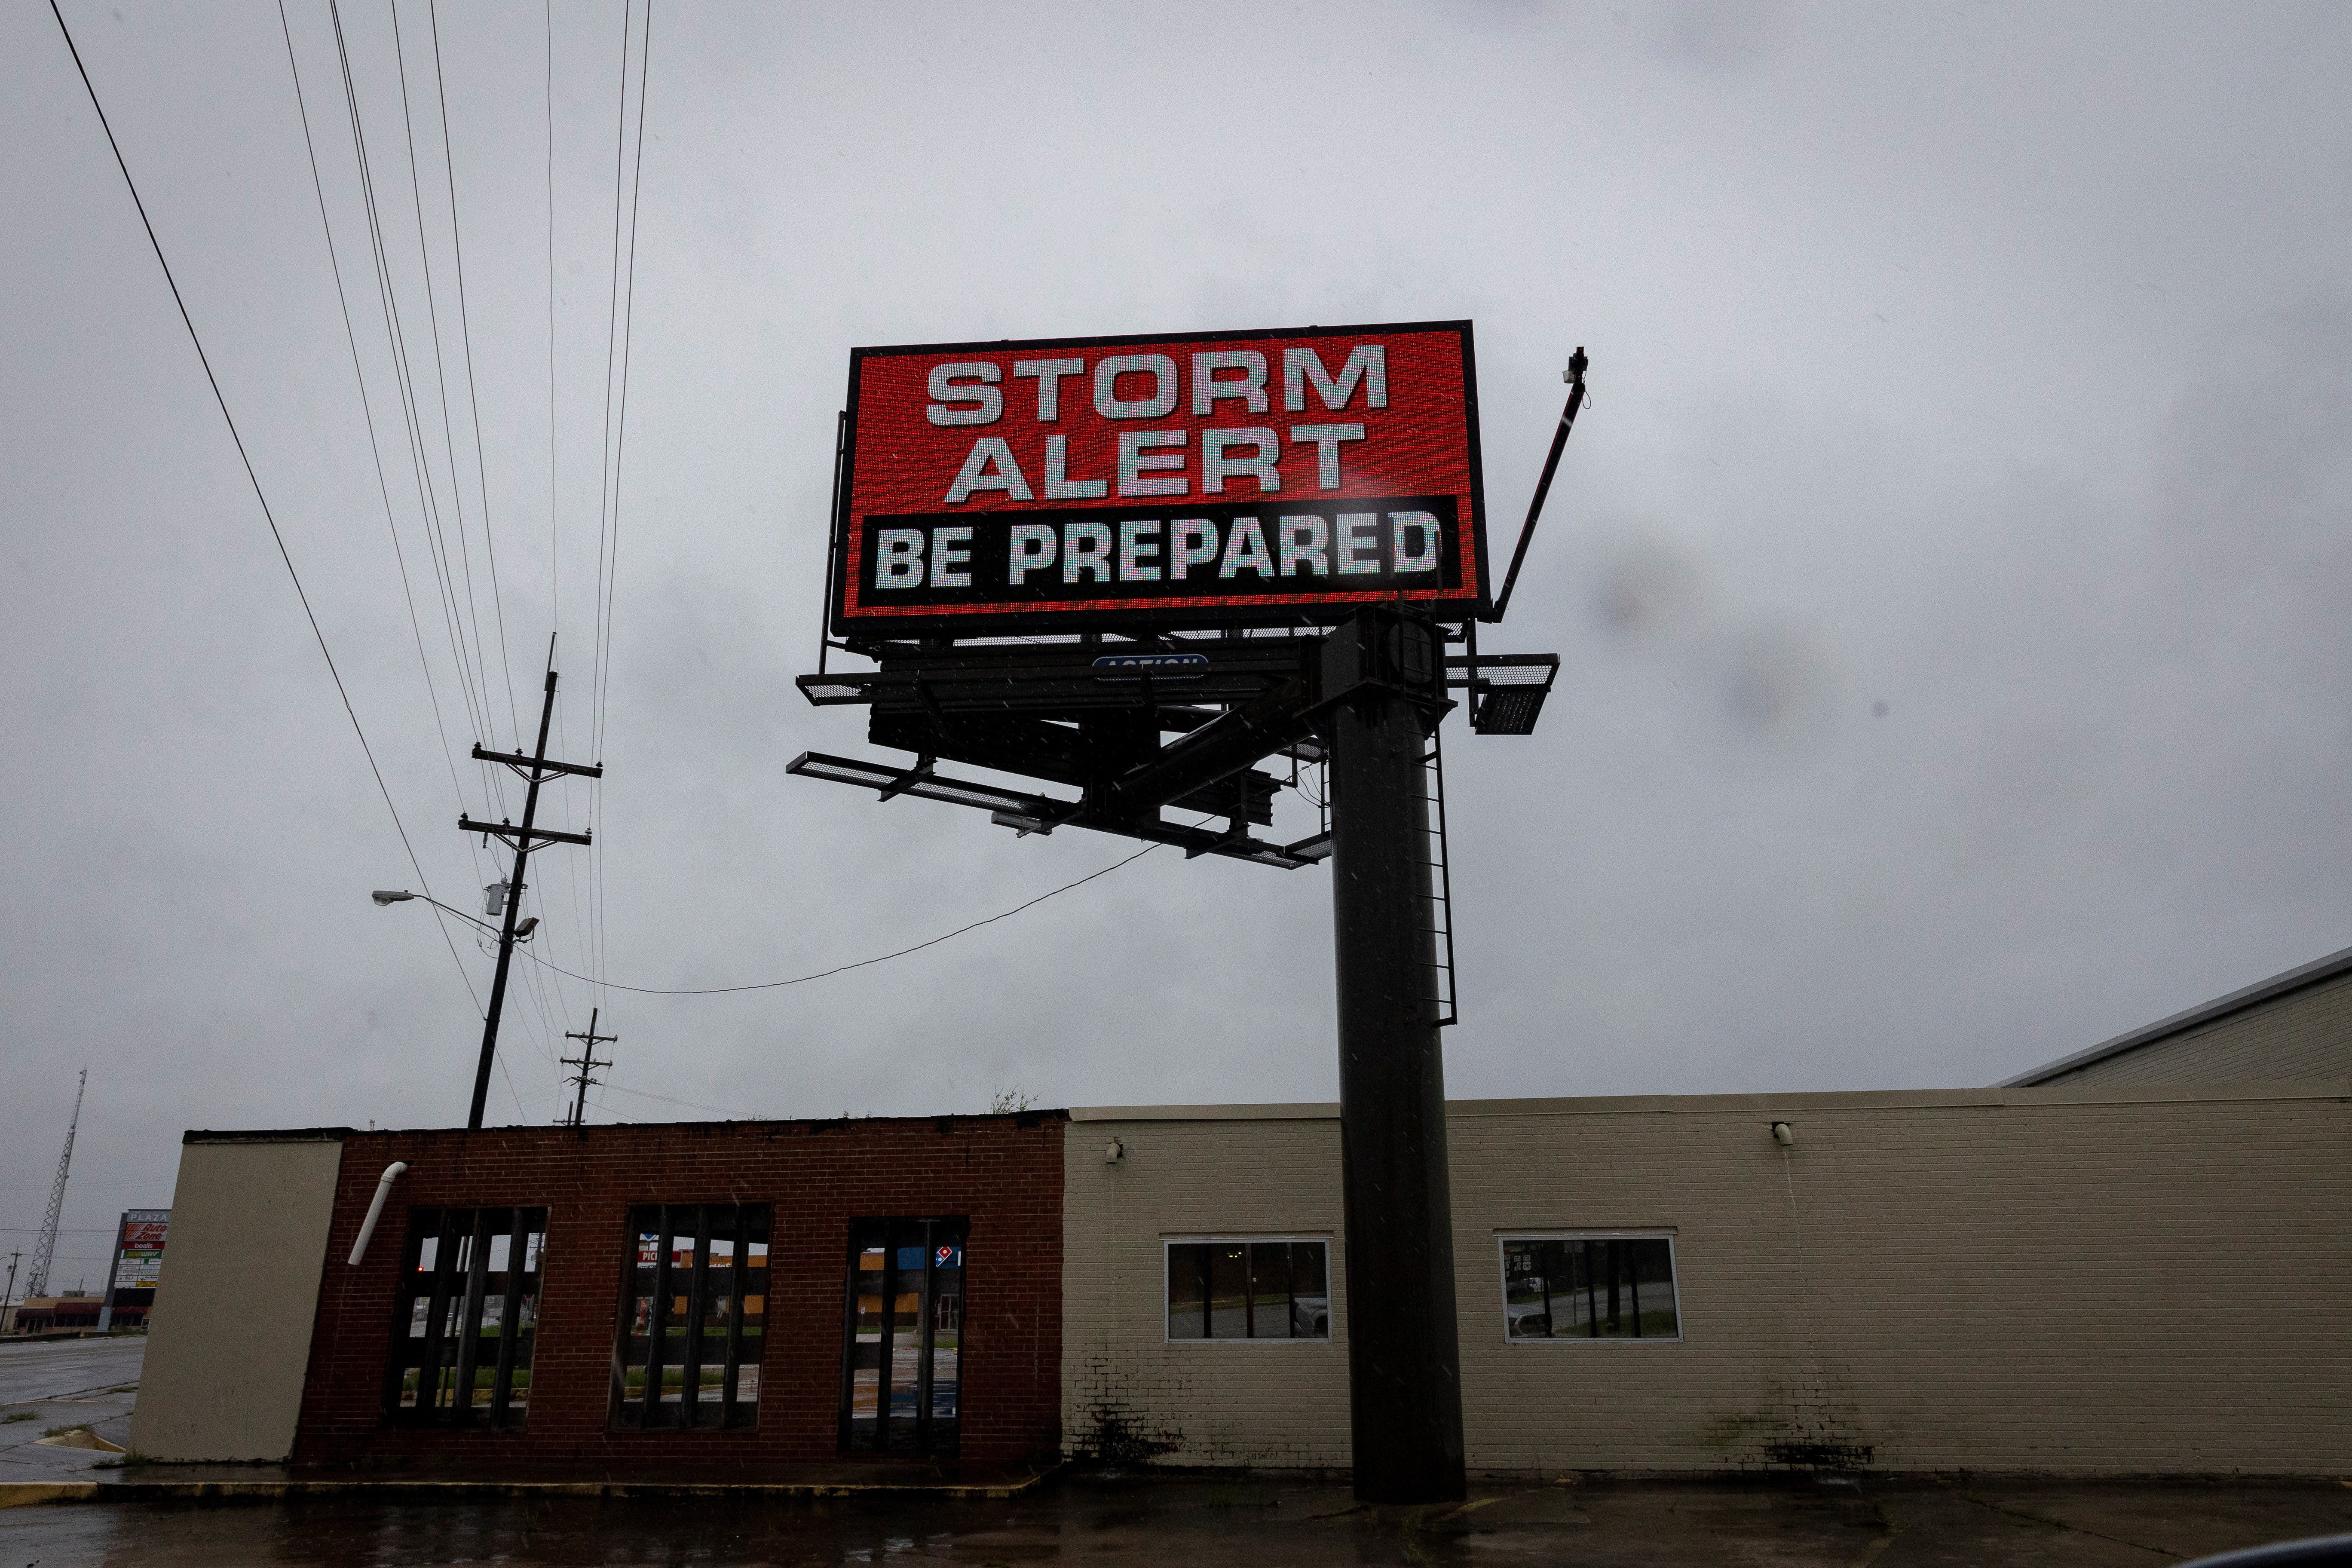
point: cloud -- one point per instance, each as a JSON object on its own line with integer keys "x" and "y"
{"x": 1994, "y": 387}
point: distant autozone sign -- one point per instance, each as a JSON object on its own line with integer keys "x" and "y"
{"x": 1263, "y": 476}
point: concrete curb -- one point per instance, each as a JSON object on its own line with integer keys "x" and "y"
{"x": 21, "y": 1494}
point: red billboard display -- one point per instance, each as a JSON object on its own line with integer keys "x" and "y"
{"x": 1158, "y": 482}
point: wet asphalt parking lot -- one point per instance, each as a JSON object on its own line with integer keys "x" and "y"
{"x": 1101, "y": 1516}
{"x": 47, "y": 1385}
{"x": 1093, "y": 1517}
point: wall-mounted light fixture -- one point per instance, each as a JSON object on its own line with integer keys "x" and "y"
{"x": 1784, "y": 1135}
{"x": 1113, "y": 1152}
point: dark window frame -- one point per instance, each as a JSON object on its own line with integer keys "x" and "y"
{"x": 1506, "y": 1240}
{"x": 1208, "y": 1335}
{"x": 742, "y": 1226}
{"x": 459, "y": 1352}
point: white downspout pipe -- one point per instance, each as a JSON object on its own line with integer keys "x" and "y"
{"x": 376, "y": 1209}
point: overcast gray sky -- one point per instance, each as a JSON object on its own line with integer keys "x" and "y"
{"x": 1950, "y": 570}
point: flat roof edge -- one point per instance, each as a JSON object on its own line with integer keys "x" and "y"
{"x": 2261, "y": 991}
{"x": 1031, "y": 1118}
{"x": 1779, "y": 1104}
{"x": 1298, "y": 1110}
{"x": 277, "y": 1135}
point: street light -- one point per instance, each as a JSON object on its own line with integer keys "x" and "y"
{"x": 385, "y": 896}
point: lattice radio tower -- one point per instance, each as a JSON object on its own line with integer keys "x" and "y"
{"x": 37, "y": 1282}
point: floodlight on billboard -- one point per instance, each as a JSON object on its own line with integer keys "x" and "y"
{"x": 1277, "y": 476}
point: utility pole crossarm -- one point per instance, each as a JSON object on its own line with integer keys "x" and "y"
{"x": 509, "y": 834}
{"x": 518, "y": 761}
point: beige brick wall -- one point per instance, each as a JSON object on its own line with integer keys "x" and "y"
{"x": 2082, "y": 1281}
{"x": 1127, "y": 1389}
{"x": 2305, "y": 1034}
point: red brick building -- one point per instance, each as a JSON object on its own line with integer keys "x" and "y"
{"x": 728, "y": 1297}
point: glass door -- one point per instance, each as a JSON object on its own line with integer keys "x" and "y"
{"x": 902, "y": 1353}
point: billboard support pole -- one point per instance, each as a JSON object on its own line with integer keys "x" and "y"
{"x": 113, "y": 1264}
{"x": 1403, "y": 1352}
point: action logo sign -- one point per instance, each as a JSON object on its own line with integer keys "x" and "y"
{"x": 1274, "y": 476}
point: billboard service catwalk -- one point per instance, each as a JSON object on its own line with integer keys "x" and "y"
{"x": 1277, "y": 476}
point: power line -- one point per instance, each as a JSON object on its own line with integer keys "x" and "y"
{"x": 583, "y": 925}
{"x": 605, "y": 494}
{"x": 513, "y": 1093}
{"x": 465, "y": 338}
{"x": 861, "y": 964}
{"x": 604, "y": 446}
{"x": 367, "y": 411}
{"x": 441, "y": 388}
{"x": 481, "y": 460}
{"x": 474, "y": 398}
{"x": 555, "y": 597}
{"x": 254, "y": 478}
{"x": 628, "y": 335}
{"x": 672, "y": 1099}
{"x": 609, "y": 508}
{"x": 477, "y": 692}
{"x": 472, "y": 676}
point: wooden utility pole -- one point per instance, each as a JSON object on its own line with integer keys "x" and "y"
{"x": 536, "y": 770}
{"x": 587, "y": 1063}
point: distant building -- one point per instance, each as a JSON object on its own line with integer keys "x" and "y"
{"x": 2292, "y": 1027}
{"x": 57, "y": 1314}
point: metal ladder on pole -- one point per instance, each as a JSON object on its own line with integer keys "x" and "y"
{"x": 1439, "y": 922}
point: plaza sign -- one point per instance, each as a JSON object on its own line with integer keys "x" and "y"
{"x": 1158, "y": 482}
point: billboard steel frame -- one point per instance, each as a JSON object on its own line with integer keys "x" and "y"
{"x": 1142, "y": 712}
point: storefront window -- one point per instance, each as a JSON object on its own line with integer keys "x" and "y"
{"x": 1589, "y": 1288}
{"x": 1270, "y": 1288}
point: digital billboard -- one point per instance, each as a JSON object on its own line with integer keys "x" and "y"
{"x": 1157, "y": 482}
